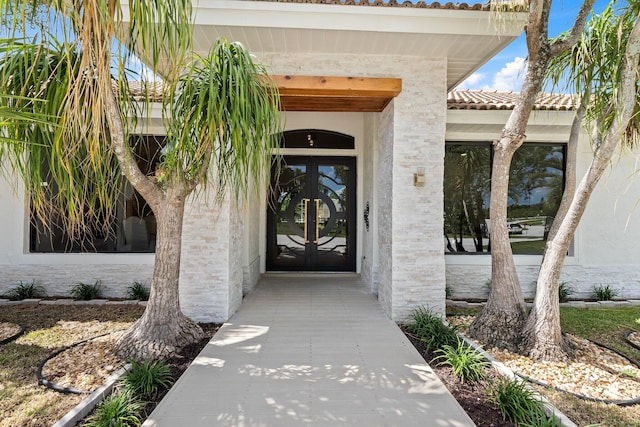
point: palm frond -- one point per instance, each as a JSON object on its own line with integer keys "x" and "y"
{"x": 224, "y": 112}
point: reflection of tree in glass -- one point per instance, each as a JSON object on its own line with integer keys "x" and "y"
{"x": 332, "y": 182}
{"x": 536, "y": 181}
{"x": 467, "y": 186}
{"x": 290, "y": 180}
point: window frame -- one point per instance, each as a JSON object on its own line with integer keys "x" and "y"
{"x": 489, "y": 146}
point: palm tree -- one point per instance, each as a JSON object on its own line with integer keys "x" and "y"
{"x": 605, "y": 63}
{"x": 219, "y": 114}
{"x": 502, "y": 319}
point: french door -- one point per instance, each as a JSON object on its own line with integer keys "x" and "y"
{"x": 311, "y": 215}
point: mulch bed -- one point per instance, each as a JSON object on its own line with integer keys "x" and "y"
{"x": 9, "y": 332}
{"x": 76, "y": 367}
{"x": 472, "y": 397}
{"x": 181, "y": 363}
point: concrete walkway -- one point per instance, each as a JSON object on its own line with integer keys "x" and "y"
{"x": 309, "y": 349}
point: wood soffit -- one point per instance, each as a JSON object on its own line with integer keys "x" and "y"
{"x": 336, "y": 94}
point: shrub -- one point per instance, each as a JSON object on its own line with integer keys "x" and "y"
{"x": 565, "y": 291}
{"x": 117, "y": 410}
{"x": 138, "y": 291}
{"x": 430, "y": 329}
{"x": 26, "y": 291}
{"x": 467, "y": 364}
{"x": 448, "y": 293}
{"x": 85, "y": 292}
{"x": 487, "y": 287}
{"x": 604, "y": 293}
{"x": 519, "y": 405}
{"x": 147, "y": 377}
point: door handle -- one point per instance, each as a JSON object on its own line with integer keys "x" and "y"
{"x": 306, "y": 209}
{"x": 317, "y": 221}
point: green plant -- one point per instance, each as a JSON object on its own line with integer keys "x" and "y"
{"x": 430, "y": 329}
{"x": 604, "y": 293}
{"x": 564, "y": 291}
{"x": 147, "y": 377}
{"x": 519, "y": 404}
{"x": 628, "y": 372}
{"x": 487, "y": 286}
{"x": 85, "y": 292}
{"x": 117, "y": 410}
{"x": 26, "y": 291}
{"x": 467, "y": 364}
{"x": 448, "y": 293}
{"x": 138, "y": 291}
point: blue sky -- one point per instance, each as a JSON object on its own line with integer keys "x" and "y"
{"x": 505, "y": 71}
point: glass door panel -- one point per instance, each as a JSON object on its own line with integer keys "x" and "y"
{"x": 311, "y": 218}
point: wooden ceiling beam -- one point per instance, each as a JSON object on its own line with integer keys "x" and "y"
{"x": 324, "y": 93}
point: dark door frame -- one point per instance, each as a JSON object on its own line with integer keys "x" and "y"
{"x": 311, "y": 262}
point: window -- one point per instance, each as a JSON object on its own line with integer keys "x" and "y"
{"x": 132, "y": 228}
{"x": 535, "y": 190}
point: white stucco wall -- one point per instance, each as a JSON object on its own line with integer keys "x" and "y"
{"x": 605, "y": 249}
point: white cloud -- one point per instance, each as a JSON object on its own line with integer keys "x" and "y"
{"x": 472, "y": 81}
{"x": 140, "y": 71}
{"x": 510, "y": 77}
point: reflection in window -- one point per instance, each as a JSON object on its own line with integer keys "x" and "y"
{"x": 535, "y": 190}
{"x": 132, "y": 227}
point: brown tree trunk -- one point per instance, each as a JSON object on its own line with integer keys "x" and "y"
{"x": 542, "y": 332}
{"x": 543, "y": 339}
{"x": 163, "y": 330}
{"x": 501, "y": 321}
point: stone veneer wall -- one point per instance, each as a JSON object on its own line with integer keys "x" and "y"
{"x": 370, "y": 164}
{"x": 411, "y": 269}
{"x": 470, "y": 281}
{"x": 251, "y": 244}
{"x": 419, "y": 129}
{"x": 211, "y": 269}
{"x": 383, "y": 207}
{"x": 58, "y": 278}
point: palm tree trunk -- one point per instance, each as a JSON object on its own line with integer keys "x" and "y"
{"x": 542, "y": 332}
{"x": 163, "y": 330}
{"x": 500, "y": 322}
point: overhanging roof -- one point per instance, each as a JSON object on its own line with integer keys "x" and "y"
{"x": 498, "y": 100}
{"x": 481, "y": 115}
{"x": 467, "y": 36}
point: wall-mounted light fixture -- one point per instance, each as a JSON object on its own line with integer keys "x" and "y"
{"x": 419, "y": 178}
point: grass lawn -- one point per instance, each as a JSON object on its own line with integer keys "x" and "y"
{"x": 606, "y": 326}
{"x": 528, "y": 247}
{"x": 22, "y": 401}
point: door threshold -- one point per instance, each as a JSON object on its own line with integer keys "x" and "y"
{"x": 311, "y": 273}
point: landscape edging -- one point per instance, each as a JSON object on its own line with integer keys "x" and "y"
{"x": 549, "y": 409}
{"x": 14, "y": 336}
{"x": 82, "y": 409}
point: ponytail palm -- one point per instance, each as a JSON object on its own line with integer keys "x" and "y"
{"x": 218, "y": 111}
{"x": 219, "y": 117}
{"x": 605, "y": 63}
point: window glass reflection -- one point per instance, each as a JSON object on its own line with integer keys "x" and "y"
{"x": 535, "y": 190}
